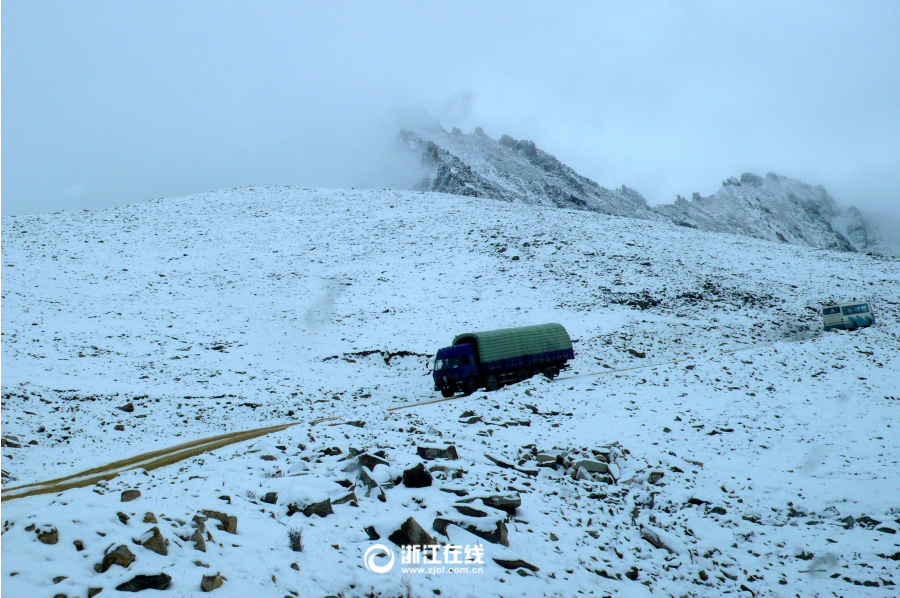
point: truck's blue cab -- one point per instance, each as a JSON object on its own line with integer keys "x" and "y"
{"x": 455, "y": 369}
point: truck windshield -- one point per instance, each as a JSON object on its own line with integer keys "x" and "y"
{"x": 448, "y": 363}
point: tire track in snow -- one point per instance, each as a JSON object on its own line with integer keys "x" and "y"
{"x": 147, "y": 461}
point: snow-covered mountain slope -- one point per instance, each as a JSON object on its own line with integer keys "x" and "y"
{"x": 777, "y": 209}
{"x": 774, "y": 208}
{"x": 511, "y": 170}
{"x": 232, "y": 310}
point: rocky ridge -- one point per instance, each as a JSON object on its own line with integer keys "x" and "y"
{"x": 774, "y": 208}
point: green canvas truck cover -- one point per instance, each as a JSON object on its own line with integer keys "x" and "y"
{"x": 494, "y": 345}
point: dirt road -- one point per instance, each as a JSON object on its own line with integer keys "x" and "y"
{"x": 148, "y": 461}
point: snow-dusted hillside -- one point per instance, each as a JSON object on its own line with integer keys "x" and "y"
{"x": 774, "y": 208}
{"x": 232, "y": 310}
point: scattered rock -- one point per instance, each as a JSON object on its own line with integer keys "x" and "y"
{"x": 10, "y": 442}
{"x": 93, "y": 592}
{"x": 149, "y": 517}
{"x": 270, "y": 498}
{"x": 127, "y": 407}
{"x": 119, "y": 427}
{"x": 655, "y": 538}
{"x": 59, "y": 578}
{"x": 638, "y": 354}
{"x": 79, "y": 545}
{"x": 227, "y": 523}
{"x": 269, "y": 458}
{"x": 504, "y": 502}
{"x": 470, "y": 511}
{"x": 370, "y": 461}
{"x": 145, "y": 582}
{"x": 50, "y": 536}
{"x": 155, "y": 541}
{"x": 515, "y": 564}
{"x": 130, "y": 495}
{"x": 437, "y": 452}
{"x": 198, "y": 540}
{"x": 211, "y": 582}
{"x": 370, "y": 531}
{"x": 123, "y": 517}
{"x": 592, "y": 466}
{"x": 411, "y": 534}
{"x": 498, "y": 535}
{"x": 656, "y": 476}
{"x": 507, "y": 465}
{"x": 752, "y": 517}
{"x": 349, "y": 498}
{"x": 322, "y": 508}
{"x": 417, "y": 477}
{"x": 120, "y": 556}
{"x": 554, "y": 537}
{"x": 546, "y": 460}
{"x": 581, "y": 474}
{"x": 867, "y": 522}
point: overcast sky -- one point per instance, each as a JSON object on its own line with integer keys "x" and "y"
{"x": 109, "y": 103}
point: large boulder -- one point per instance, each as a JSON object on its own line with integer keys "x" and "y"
{"x": 145, "y": 582}
{"x": 120, "y": 556}
{"x": 411, "y": 534}
{"x": 48, "y": 535}
{"x": 417, "y": 477}
{"x": 321, "y": 508}
{"x": 211, "y": 582}
{"x": 129, "y": 495}
{"x": 227, "y": 523}
{"x": 154, "y": 540}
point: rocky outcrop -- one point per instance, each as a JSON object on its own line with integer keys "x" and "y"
{"x": 773, "y": 207}
{"x": 511, "y": 170}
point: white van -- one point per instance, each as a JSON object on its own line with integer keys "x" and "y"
{"x": 849, "y": 315}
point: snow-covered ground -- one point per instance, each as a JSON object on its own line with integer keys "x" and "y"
{"x": 238, "y": 309}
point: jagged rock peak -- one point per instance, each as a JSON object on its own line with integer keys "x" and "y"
{"x": 511, "y": 170}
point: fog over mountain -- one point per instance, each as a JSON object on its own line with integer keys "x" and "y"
{"x": 773, "y": 207}
{"x": 111, "y": 103}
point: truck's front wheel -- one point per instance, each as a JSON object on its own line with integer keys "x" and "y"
{"x": 447, "y": 392}
{"x": 490, "y": 383}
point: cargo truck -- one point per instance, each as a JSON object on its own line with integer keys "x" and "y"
{"x": 496, "y": 357}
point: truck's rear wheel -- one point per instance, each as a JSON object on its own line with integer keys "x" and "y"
{"x": 447, "y": 392}
{"x": 523, "y": 375}
{"x": 470, "y": 386}
{"x": 490, "y": 383}
{"x": 551, "y": 372}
